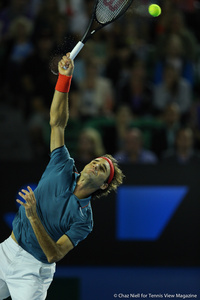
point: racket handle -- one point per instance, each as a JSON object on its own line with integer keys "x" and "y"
{"x": 75, "y": 51}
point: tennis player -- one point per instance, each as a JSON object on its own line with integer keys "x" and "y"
{"x": 54, "y": 218}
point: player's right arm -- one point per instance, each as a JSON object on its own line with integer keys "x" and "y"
{"x": 54, "y": 251}
{"x": 59, "y": 112}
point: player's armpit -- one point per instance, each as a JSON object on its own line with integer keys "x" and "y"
{"x": 65, "y": 245}
{"x": 57, "y": 137}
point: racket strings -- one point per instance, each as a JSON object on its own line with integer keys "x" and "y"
{"x": 109, "y": 10}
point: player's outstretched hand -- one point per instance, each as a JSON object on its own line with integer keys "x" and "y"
{"x": 30, "y": 204}
{"x": 68, "y": 63}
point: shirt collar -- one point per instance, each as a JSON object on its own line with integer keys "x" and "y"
{"x": 82, "y": 202}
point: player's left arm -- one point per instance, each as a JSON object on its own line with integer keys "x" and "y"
{"x": 54, "y": 251}
{"x": 59, "y": 111}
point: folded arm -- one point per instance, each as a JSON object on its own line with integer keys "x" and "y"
{"x": 54, "y": 251}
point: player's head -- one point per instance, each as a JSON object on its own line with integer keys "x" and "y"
{"x": 105, "y": 174}
{"x": 116, "y": 180}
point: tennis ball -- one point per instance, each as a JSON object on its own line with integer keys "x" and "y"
{"x": 154, "y": 10}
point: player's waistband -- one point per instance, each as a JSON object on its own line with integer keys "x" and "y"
{"x": 16, "y": 250}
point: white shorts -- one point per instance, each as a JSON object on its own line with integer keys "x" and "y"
{"x": 22, "y": 276}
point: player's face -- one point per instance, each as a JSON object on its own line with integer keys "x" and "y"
{"x": 98, "y": 171}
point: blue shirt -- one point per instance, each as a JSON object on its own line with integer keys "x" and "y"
{"x": 59, "y": 210}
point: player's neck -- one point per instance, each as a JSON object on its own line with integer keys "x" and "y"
{"x": 81, "y": 193}
{"x": 83, "y": 189}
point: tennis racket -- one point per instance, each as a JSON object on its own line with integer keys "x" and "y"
{"x": 104, "y": 13}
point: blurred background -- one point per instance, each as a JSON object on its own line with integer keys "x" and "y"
{"x": 135, "y": 94}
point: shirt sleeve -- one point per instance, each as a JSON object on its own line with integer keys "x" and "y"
{"x": 59, "y": 155}
{"x": 79, "y": 231}
{"x": 60, "y": 160}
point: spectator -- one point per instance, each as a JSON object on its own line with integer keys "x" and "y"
{"x": 34, "y": 81}
{"x": 123, "y": 118}
{"x": 77, "y": 14}
{"x": 173, "y": 51}
{"x": 174, "y": 88}
{"x": 136, "y": 91}
{"x": 133, "y": 151}
{"x": 138, "y": 36}
{"x": 118, "y": 64}
{"x": 20, "y": 34}
{"x": 37, "y": 125}
{"x": 47, "y": 16}
{"x": 19, "y": 49}
{"x": 194, "y": 121}
{"x": 164, "y": 138}
{"x": 186, "y": 5}
{"x": 15, "y": 139}
{"x": 96, "y": 93}
{"x": 89, "y": 146}
{"x": 184, "y": 151}
{"x": 61, "y": 34}
{"x": 176, "y": 26}
{"x": 15, "y": 9}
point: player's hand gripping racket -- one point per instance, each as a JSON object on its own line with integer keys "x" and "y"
{"x": 104, "y": 13}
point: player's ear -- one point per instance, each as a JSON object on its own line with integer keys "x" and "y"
{"x": 104, "y": 186}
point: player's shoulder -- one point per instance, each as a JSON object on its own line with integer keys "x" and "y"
{"x": 60, "y": 154}
{"x": 60, "y": 150}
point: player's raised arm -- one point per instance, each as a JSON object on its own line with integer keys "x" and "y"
{"x": 59, "y": 112}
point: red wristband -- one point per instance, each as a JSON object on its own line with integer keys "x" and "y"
{"x": 63, "y": 83}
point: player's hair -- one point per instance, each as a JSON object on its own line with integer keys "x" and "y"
{"x": 117, "y": 179}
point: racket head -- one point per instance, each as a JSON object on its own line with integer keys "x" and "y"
{"x": 107, "y": 11}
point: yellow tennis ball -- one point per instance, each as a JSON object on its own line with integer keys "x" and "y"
{"x": 154, "y": 10}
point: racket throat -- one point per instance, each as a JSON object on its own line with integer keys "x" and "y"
{"x": 93, "y": 31}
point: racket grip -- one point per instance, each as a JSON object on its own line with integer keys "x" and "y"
{"x": 75, "y": 51}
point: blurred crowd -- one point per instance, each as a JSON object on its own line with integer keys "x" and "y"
{"x": 135, "y": 91}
